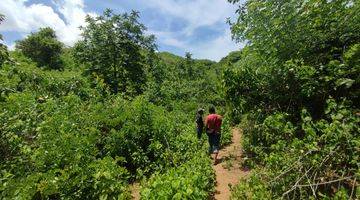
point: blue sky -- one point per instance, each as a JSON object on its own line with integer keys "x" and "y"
{"x": 197, "y": 26}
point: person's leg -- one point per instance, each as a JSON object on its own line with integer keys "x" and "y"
{"x": 210, "y": 143}
{"x": 199, "y": 132}
{"x": 216, "y": 146}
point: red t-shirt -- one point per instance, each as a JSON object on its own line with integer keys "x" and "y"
{"x": 213, "y": 121}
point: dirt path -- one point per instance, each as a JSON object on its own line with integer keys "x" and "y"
{"x": 228, "y": 170}
{"x": 135, "y": 191}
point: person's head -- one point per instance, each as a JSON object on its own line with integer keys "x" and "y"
{"x": 212, "y": 110}
{"x": 200, "y": 111}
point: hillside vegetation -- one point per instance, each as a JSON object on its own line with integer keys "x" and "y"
{"x": 77, "y": 134}
{"x": 88, "y": 121}
{"x": 295, "y": 90}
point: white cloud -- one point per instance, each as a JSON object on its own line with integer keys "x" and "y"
{"x": 216, "y": 49}
{"x": 197, "y": 13}
{"x": 11, "y": 47}
{"x": 25, "y": 19}
{"x": 168, "y": 38}
{"x": 65, "y": 16}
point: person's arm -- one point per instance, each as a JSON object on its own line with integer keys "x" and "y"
{"x": 206, "y": 121}
{"x": 220, "y": 117}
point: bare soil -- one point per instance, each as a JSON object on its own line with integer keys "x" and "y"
{"x": 135, "y": 191}
{"x": 228, "y": 168}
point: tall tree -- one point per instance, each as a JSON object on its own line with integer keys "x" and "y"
{"x": 42, "y": 47}
{"x": 189, "y": 64}
{"x": 316, "y": 30}
{"x": 113, "y": 49}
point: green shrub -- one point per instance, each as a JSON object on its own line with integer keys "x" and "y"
{"x": 297, "y": 85}
{"x": 191, "y": 180}
{"x": 325, "y": 151}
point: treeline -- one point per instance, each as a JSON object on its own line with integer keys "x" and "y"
{"x": 295, "y": 90}
{"x": 84, "y": 122}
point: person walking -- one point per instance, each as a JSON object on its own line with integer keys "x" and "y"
{"x": 199, "y": 122}
{"x": 213, "y": 130}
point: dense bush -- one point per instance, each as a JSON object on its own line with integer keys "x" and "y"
{"x": 49, "y": 151}
{"x": 325, "y": 157}
{"x": 296, "y": 92}
{"x": 191, "y": 180}
{"x": 65, "y": 136}
{"x": 191, "y": 175}
{"x": 53, "y": 143}
{"x": 24, "y": 76}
